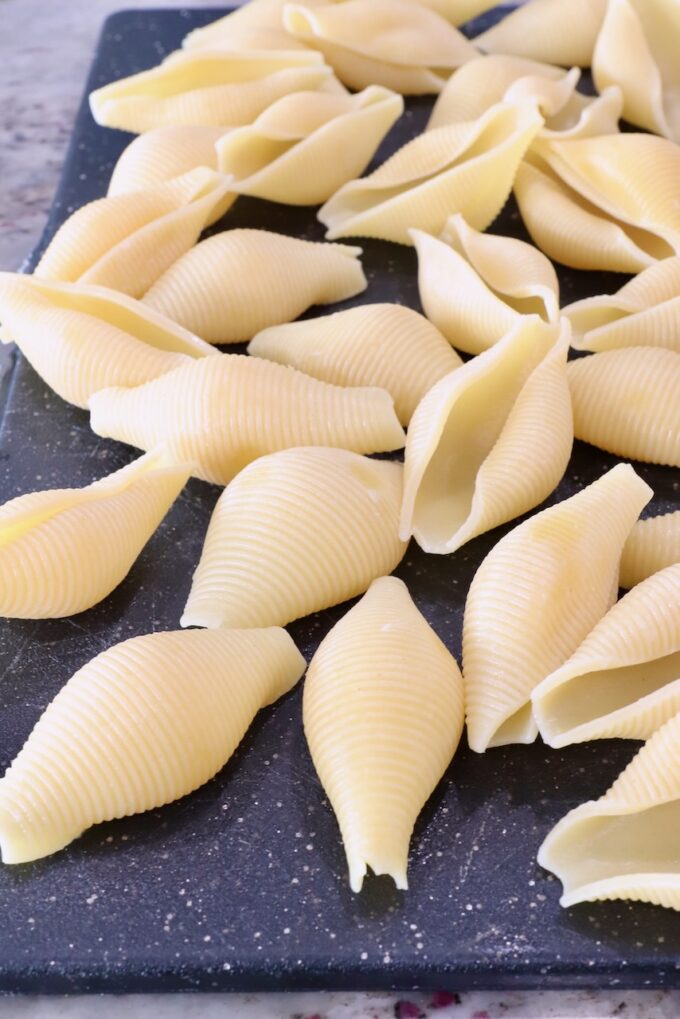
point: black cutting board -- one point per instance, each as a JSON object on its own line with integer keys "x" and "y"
{"x": 243, "y": 884}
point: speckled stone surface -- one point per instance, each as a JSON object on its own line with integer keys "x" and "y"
{"x": 211, "y": 891}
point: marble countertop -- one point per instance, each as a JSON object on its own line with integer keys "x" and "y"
{"x": 46, "y": 49}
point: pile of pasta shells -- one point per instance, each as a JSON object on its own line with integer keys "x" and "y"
{"x": 123, "y": 317}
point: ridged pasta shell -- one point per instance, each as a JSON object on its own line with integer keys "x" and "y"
{"x": 633, "y": 829}
{"x": 457, "y": 11}
{"x": 162, "y": 154}
{"x": 637, "y": 49}
{"x": 489, "y": 441}
{"x": 290, "y": 154}
{"x": 653, "y": 544}
{"x": 467, "y": 168}
{"x": 81, "y": 338}
{"x": 643, "y": 313}
{"x": 236, "y": 283}
{"x": 628, "y": 403}
{"x": 536, "y": 596}
{"x": 548, "y": 30}
{"x": 624, "y": 680}
{"x": 241, "y": 408}
{"x": 403, "y": 46}
{"x": 143, "y": 723}
{"x": 64, "y": 550}
{"x": 383, "y": 715}
{"x": 296, "y": 532}
{"x": 128, "y": 241}
{"x": 215, "y": 87}
{"x": 257, "y": 24}
{"x": 386, "y": 345}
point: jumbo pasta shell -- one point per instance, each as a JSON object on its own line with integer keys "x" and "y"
{"x": 490, "y": 441}
{"x": 467, "y": 168}
{"x": 653, "y": 544}
{"x": 241, "y": 408}
{"x": 386, "y": 345}
{"x": 402, "y": 46}
{"x": 634, "y": 828}
{"x": 128, "y": 241}
{"x": 624, "y": 680}
{"x": 628, "y": 402}
{"x": 383, "y": 714}
{"x": 548, "y": 30}
{"x": 294, "y": 533}
{"x": 257, "y": 24}
{"x": 536, "y": 596}
{"x": 81, "y": 339}
{"x": 308, "y": 144}
{"x": 162, "y": 154}
{"x": 143, "y": 723}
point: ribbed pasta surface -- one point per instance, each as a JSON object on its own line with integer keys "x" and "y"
{"x": 548, "y": 30}
{"x": 140, "y": 725}
{"x": 383, "y": 714}
{"x": 489, "y": 441}
{"x": 162, "y": 154}
{"x": 386, "y": 345}
{"x": 652, "y": 545}
{"x": 238, "y": 282}
{"x": 222, "y": 412}
{"x": 624, "y": 680}
{"x": 536, "y": 596}
{"x": 254, "y": 25}
{"x": 633, "y": 829}
{"x": 294, "y": 533}
{"x": 628, "y": 402}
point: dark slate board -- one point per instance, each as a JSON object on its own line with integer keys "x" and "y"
{"x": 243, "y": 884}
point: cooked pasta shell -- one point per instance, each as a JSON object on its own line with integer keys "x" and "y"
{"x": 212, "y": 87}
{"x": 290, "y": 153}
{"x": 128, "y": 241}
{"x": 81, "y": 338}
{"x": 548, "y": 30}
{"x": 535, "y": 598}
{"x": 236, "y": 283}
{"x": 162, "y": 154}
{"x": 403, "y": 46}
{"x": 64, "y": 550}
{"x": 386, "y": 345}
{"x": 383, "y": 715}
{"x": 489, "y": 441}
{"x": 294, "y": 533}
{"x": 643, "y": 313}
{"x": 457, "y": 11}
{"x": 143, "y": 723}
{"x": 467, "y": 168}
{"x": 240, "y": 409}
{"x": 628, "y": 402}
{"x": 632, "y": 828}
{"x": 637, "y": 49}
{"x": 257, "y": 25}
{"x": 653, "y": 544}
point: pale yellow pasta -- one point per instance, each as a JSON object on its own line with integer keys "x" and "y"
{"x": 293, "y": 533}
{"x": 163, "y": 153}
{"x": 81, "y": 338}
{"x": 456, "y": 11}
{"x": 383, "y": 715}
{"x": 385, "y": 345}
{"x": 624, "y": 679}
{"x": 535, "y": 598}
{"x": 236, "y": 283}
{"x": 308, "y": 144}
{"x": 637, "y": 50}
{"x": 548, "y": 30}
{"x": 128, "y": 241}
{"x": 257, "y": 24}
{"x": 210, "y": 87}
{"x": 645, "y": 312}
{"x": 490, "y": 441}
{"x": 241, "y": 408}
{"x": 403, "y": 46}
{"x": 653, "y": 544}
{"x": 143, "y": 723}
{"x": 628, "y": 403}
{"x": 467, "y": 168}
{"x": 625, "y": 845}
{"x": 475, "y": 287}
